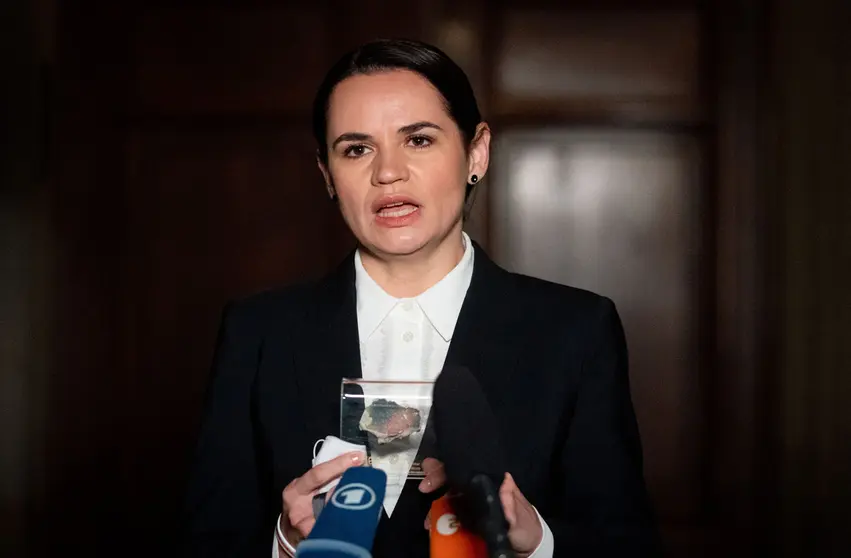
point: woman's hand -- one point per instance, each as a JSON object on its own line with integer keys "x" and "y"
{"x": 297, "y": 515}
{"x": 524, "y": 529}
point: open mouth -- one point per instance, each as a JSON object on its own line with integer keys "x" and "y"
{"x": 397, "y": 209}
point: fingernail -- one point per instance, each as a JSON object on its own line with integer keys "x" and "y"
{"x": 424, "y": 484}
{"x": 357, "y": 458}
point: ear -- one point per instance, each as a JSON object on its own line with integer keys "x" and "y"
{"x": 479, "y": 157}
{"x": 326, "y": 175}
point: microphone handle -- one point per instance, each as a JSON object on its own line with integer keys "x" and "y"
{"x": 490, "y": 519}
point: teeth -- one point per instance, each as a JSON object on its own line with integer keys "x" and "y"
{"x": 400, "y": 212}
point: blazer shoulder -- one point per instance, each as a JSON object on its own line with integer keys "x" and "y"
{"x": 539, "y": 296}
{"x": 287, "y": 307}
{"x": 269, "y": 308}
{"x": 585, "y": 320}
{"x": 549, "y": 296}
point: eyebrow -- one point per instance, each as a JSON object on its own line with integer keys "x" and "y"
{"x": 407, "y": 129}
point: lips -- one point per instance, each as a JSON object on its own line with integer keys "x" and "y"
{"x": 395, "y": 205}
{"x": 396, "y": 210}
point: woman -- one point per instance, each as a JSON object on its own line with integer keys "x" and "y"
{"x": 401, "y": 145}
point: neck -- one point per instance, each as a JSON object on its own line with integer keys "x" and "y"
{"x": 412, "y": 274}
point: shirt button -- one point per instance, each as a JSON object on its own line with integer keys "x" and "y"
{"x": 408, "y": 336}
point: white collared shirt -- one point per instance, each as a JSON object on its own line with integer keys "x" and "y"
{"x": 408, "y": 339}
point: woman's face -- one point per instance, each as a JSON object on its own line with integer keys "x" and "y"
{"x": 397, "y": 162}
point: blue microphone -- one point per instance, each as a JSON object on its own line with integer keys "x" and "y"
{"x": 346, "y": 527}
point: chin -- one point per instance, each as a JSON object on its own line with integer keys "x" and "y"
{"x": 400, "y": 243}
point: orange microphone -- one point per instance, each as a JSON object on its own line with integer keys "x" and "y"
{"x": 448, "y": 538}
{"x": 468, "y": 444}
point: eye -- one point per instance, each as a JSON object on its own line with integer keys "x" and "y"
{"x": 420, "y": 142}
{"x": 355, "y": 151}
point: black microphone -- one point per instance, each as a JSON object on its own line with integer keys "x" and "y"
{"x": 468, "y": 444}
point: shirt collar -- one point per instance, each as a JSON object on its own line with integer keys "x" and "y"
{"x": 441, "y": 303}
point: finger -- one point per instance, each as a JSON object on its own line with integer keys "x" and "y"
{"x": 425, "y": 485}
{"x": 506, "y": 497}
{"x": 509, "y": 480}
{"x": 291, "y": 496}
{"x": 430, "y": 464}
{"x": 299, "y": 512}
{"x": 427, "y": 522}
{"x": 521, "y": 504}
{"x": 433, "y": 481}
{"x": 435, "y": 475}
{"x": 320, "y": 475}
{"x": 517, "y": 494}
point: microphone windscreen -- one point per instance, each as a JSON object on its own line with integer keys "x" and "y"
{"x": 466, "y": 430}
{"x": 347, "y": 525}
{"x": 448, "y": 537}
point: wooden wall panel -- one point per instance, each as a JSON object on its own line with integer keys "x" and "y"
{"x": 213, "y": 212}
{"x": 354, "y": 23}
{"x": 809, "y": 187}
{"x": 80, "y": 505}
{"x": 616, "y": 212}
{"x": 230, "y": 59}
{"x": 582, "y": 197}
{"x": 621, "y": 65}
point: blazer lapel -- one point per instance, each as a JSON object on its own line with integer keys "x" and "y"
{"x": 484, "y": 341}
{"x": 328, "y": 350}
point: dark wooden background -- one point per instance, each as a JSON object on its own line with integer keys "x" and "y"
{"x": 160, "y": 163}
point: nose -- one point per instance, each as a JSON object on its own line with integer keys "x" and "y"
{"x": 389, "y": 167}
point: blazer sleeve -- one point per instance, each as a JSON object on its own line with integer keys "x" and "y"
{"x": 224, "y": 513}
{"x": 606, "y": 510}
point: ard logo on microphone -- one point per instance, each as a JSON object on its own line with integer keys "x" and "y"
{"x": 355, "y": 496}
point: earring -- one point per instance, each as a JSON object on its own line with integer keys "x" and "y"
{"x": 474, "y": 179}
